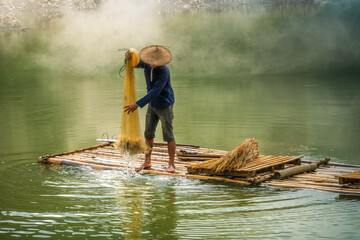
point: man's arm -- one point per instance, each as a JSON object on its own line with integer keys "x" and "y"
{"x": 155, "y": 90}
{"x": 142, "y": 64}
{"x": 153, "y": 93}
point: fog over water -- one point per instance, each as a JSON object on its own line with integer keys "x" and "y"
{"x": 256, "y": 38}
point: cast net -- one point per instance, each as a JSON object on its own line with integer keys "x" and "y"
{"x": 129, "y": 140}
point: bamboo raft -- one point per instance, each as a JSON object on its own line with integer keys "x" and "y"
{"x": 332, "y": 177}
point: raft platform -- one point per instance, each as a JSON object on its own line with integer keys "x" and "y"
{"x": 350, "y": 180}
{"x": 332, "y": 177}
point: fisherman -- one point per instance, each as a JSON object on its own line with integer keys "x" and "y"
{"x": 160, "y": 97}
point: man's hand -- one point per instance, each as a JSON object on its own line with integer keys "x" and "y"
{"x": 127, "y": 55}
{"x": 130, "y": 108}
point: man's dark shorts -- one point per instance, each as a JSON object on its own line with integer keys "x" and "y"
{"x": 166, "y": 116}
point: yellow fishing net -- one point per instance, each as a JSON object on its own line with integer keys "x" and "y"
{"x": 129, "y": 139}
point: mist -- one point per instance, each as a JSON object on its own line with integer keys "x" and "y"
{"x": 257, "y": 38}
{"x": 88, "y": 41}
{"x": 290, "y": 39}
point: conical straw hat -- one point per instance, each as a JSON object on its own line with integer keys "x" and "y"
{"x": 156, "y": 55}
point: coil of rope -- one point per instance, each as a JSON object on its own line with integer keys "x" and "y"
{"x": 123, "y": 67}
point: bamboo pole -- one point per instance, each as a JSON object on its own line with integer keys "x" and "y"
{"x": 67, "y": 162}
{"x": 322, "y": 188}
{"x": 207, "y": 155}
{"x": 349, "y": 185}
{"x": 316, "y": 178}
{"x": 281, "y": 174}
{"x": 100, "y": 165}
{"x": 335, "y": 164}
{"x": 195, "y": 158}
{"x": 178, "y": 145}
{"x": 260, "y": 179}
{"x": 45, "y": 157}
{"x": 295, "y": 170}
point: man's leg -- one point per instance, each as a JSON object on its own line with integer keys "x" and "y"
{"x": 150, "y": 126}
{"x": 166, "y": 117}
{"x": 171, "y": 150}
{"x": 150, "y": 143}
{"x": 147, "y": 163}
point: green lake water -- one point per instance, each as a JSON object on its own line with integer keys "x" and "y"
{"x": 284, "y": 74}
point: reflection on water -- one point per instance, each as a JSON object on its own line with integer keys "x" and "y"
{"x": 118, "y": 205}
{"x": 256, "y": 72}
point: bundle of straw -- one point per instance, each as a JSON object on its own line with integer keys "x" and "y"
{"x": 234, "y": 160}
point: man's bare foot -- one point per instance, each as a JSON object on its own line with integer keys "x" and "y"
{"x": 170, "y": 169}
{"x": 143, "y": 166}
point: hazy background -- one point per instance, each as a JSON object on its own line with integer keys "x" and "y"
{"x": 254, "y": 38}
{"x": 272, "y": 37}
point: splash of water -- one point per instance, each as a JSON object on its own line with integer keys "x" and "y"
{"x": 131, "y": 161}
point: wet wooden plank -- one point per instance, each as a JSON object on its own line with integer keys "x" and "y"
{"x": 194, "y": 158}
{"x": 352, "y": 177}
{"x": 76, "y": 161}
{"x": 337, "y": 189}
{"x": 226, "y": 173}
{"x": 275, "y": 160}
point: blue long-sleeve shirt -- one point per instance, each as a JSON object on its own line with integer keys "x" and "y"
{"x": 159, "y": 91}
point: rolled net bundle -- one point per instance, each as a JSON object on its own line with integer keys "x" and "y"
{"x": 129, "y": 139}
